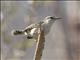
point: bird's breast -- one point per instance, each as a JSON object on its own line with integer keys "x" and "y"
{"x": 46, "y": 28}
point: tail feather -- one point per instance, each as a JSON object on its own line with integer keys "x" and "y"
{"x": 17, "y": 32}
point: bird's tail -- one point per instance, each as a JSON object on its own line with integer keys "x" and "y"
{"x": 17, "y": 32}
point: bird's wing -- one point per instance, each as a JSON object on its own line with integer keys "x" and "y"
{"x": 28, "y": 28}
{"x": 35, "y": 25}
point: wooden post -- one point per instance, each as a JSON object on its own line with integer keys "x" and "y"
{"x": 39, "y": 45}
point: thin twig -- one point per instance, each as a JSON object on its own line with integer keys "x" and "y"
{"x": 39, "y": 45}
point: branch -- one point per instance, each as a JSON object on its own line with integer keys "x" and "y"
{"x": 39, "y": 45}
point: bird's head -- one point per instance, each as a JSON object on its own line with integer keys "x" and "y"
{"x": 51, "y": 18}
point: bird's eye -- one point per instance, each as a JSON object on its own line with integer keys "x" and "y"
{"x": 51, "y": 18}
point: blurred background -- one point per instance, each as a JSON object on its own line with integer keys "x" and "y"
{"x": 63, "y": 41}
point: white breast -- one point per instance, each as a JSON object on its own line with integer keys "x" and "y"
{"x": 47, "y": 28}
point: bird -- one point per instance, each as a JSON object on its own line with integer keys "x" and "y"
{"x": 31, "y": 30}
